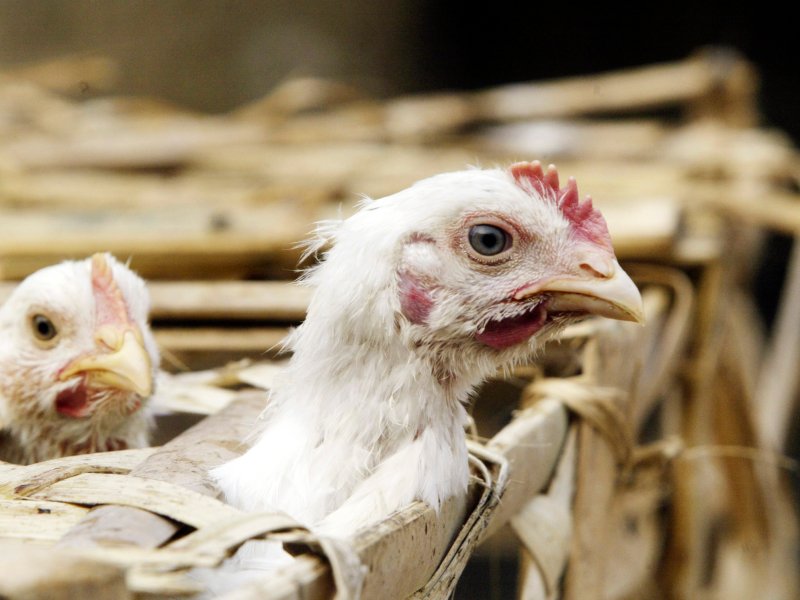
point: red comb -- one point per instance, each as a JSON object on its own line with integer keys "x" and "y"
{"x": 586, "y": 222}
{"x": 109, "y": 303}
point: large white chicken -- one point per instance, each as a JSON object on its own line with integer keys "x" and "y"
{"x": 77, "y": 362}
{"x": 422, "y": 296}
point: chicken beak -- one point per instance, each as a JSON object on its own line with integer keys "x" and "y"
{"x": 607, "y": 292}
{"x": 126, "y": 367}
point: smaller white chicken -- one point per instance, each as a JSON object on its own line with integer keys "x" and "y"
{"x": 77, "y": 362}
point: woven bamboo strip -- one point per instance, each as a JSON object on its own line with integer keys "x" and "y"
{"x": 168, "y": 143}
{"x": 633, "y": 89}
{"x": 683, "y": 82}
{"x": 597, "y": 469}
{"x": 229, "y": 300}
{"x": 207, "y": 392}
{"x": 156, "y": 496}
{"x": 192, "y": 398}
{"x": 43, "y": 521}
{"x": 168, "y": 229}
{"x": 257, "y": 340}
{"x": 778, "y": 379}
{"x": 544, "y": 527}
{"x": 526, "y": 439}
{"x": 16, "y": 480}
{"x": 33, "y": 573}
{"x": 607, "y": 416}
{"x": 696, "y": 496}
{"x": 60, "y": 74}
{"x": 607, "y": 362}
{"x": 124, "y": 190}
{"x": 777, "y": 209}
{"x": 666, "y": 349}
{"x": 308, "y": 578}
{"x": 206, "y": 547}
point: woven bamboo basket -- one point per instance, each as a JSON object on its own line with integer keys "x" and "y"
{"x": 526, "y": 474}
{"x": 632, "y": 462}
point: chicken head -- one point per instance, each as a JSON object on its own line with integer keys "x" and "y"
{"x": 77, "y": 361}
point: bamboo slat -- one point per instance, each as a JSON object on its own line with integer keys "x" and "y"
{"x": 41, "y": 521}
{"x": 23, "y": 480}
{"x": 185, "y": 242}
{"x": 33, "y": 573}
{"x": 683, "y": 82}
{"x": 778, "y": 379}
{"x": 544, "y": 429}
{"x": 168, "y": 144}
{"x": 544, "y": 527}
{"x": 228, "y": 300}
{"x": 69, "y": 74}
{"x": 151, "y": 494}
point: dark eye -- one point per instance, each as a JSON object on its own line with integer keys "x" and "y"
{"x": 43, "y": 327}
{"x": 488, "y": 239}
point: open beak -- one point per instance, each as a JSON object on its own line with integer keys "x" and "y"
{"x": 126, "y": 367}
{"x": 608, "y": 293}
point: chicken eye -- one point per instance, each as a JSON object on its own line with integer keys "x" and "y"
{"x": 43, "y": 328}
{"x": 488, "y": 240}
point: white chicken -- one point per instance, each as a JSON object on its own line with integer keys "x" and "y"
{"x": 77, "y": 362}
{"x": 422, "y": 296}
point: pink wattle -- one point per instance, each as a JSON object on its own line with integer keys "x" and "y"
{"x": 509, "y": 332}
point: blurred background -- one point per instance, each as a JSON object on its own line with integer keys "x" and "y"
{"x": 214, "y": 56}
{"x": 210, "y": 78}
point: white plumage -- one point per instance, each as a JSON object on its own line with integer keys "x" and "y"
{"x": 421, "y": 296}
{"x": 77, "y": 361}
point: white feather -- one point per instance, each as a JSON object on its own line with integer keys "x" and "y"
{"x": 362, "y": 410}
{"x": 369, "y": 414}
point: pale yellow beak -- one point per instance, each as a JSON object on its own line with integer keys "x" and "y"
{"x": 609, "y": 292}
{"x": 126, "y": 367}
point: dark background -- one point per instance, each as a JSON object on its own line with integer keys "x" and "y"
{"x": 216, "y": 54}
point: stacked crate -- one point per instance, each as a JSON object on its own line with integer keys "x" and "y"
{"x": 635, "y": 462}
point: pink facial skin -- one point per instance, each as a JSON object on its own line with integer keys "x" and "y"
{"x": 415, "y": 301}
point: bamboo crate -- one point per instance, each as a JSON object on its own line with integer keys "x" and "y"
{"x": 512, "y": 483}
{"x": 639, "y": 462}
